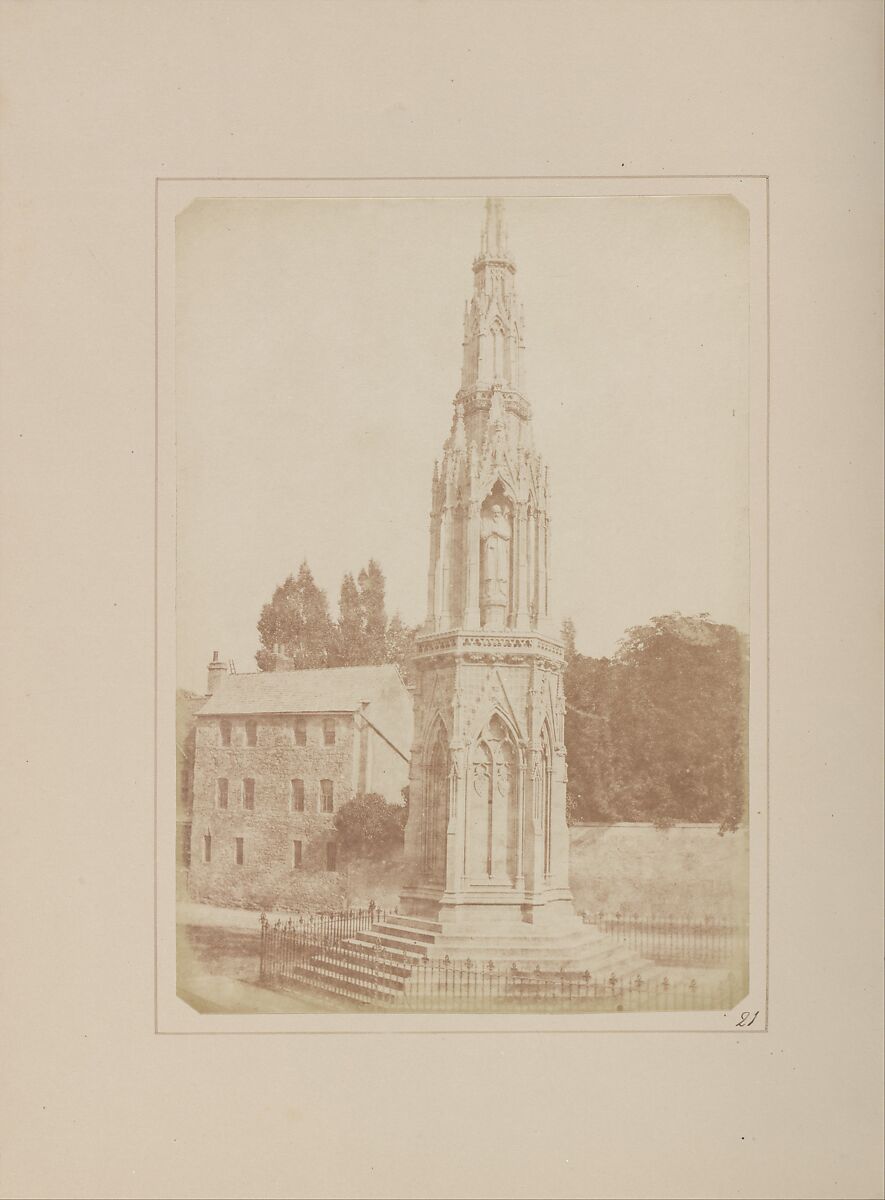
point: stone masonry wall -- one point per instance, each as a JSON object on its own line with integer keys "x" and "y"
{"x": 268, "y": 876}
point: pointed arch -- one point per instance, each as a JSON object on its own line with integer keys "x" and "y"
{"x": 498, "y": 712}
{"x": 435, "y": 720}
{"x": 497, "y": 479}
{"x": 500, "y": 357}
{"x": 496, "y": 770}
{"x": 479, "y": 830}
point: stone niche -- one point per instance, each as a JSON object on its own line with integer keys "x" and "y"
{"x": 496, "y": 560}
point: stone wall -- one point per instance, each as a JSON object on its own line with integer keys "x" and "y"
{"x": 686, "y": 871}
{"x": 270, "y": 828}
{"x": 387, "y": 773}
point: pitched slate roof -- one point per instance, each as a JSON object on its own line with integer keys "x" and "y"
{"x": 330, "y": 689}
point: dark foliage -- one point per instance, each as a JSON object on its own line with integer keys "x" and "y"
{"x": 369, "y": 827}
{"x": 658, "y": 732}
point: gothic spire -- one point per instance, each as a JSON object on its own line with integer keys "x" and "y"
{"x": 493, "y": 322}
{"x": 493, "y": 241}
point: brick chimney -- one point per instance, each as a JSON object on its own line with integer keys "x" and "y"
{"x": 217, "y": 672}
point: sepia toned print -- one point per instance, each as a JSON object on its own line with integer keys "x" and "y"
{"x": 467, "y": 814}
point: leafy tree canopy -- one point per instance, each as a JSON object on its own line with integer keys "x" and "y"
{"x": 295, "y": 625}
{"x": 296, "y": 630}
{"x": 658, "y": 732}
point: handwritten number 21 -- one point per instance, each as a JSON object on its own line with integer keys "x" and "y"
{"x": 744, "y": 1023}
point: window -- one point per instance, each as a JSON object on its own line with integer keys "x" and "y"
{"x": 249, "y": 793}
{"x": 296, "y": 854}
{"x": 296, "y": 797}
{"x": 251, "y": 733}
{"x": 329, "y": 731}
{"x": 221, "y": 793}
{"x": 224, "y": 728}
{"x": 207, "y": 847}
{"x": 184, "y": 786}
{"x": 326, "y": 802}
{"x": 238, "y": 851}
{"x": 300, "y": 731}
{"x": 331, "y": 856}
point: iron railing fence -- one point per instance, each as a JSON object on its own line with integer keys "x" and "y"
{"x": 389, "y": 979}
{"x": 310, "y": 930}
{"x": 677, "y": 941}
{"x": 667, "y": 941}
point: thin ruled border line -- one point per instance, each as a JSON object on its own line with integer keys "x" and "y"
{"x": 156, "y": 594}
{"x": 767, "y": 592}
{"x": 767, "y": 559}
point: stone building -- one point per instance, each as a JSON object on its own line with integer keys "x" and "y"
{"x": 486, "y": 841}
{"x": 276, "y": 755}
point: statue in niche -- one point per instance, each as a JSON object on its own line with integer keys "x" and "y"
{"x": 495, "y": 534}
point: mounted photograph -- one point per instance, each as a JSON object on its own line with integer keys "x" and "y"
{"x": 463, "y": 616}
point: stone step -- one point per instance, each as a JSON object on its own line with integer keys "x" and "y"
{"x": 395, "y": 929}
{"x": 476, "y": 923}
{"x": 342, "y": 972}
{"x": 528, "y": 942}
{"x": 346, "y": 980}
{"x": 369, "y": 940}
{"x": 511, "y": 929}
{"x": 419, "y": 923}
{"x": 503, "y": 947}
{"x": 336, "y": 988}
{"x": 388, "y": 966}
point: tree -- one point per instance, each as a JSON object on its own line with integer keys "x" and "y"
{"x": 687, "y": 682}
{"x": 568, "y": 635}
{"x": 361, "y": 631}
{"x": 350, "y": 640}
{"x": 371, "y": 583}
{"x": 658, "y": 732}
{"x": 400, "y": 646}
{"x": 295, "y": 628}
{"x": 369, "y": 827}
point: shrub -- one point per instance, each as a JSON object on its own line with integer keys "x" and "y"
{"x": 369, "y": 827}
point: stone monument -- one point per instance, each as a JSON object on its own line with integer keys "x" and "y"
{"x": 486, "y": 842}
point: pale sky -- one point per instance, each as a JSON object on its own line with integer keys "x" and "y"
{"x": 318, "y": 353}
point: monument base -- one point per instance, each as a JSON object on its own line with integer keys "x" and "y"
{"x": 492, "y": 924}
{"x": 488, "y": 903}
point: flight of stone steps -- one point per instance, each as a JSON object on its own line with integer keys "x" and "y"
{"x": 405, "y": 961}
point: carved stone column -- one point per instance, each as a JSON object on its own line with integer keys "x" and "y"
{"x": 535, "y": 567}
{"x": 445, "y": 555}
{"x": 536, "y": 828}
{"x": 519, "y": 882}
{"x": 545, "y": 606}
{"x": 471, "y": 611}
{"x": 525, "y": 591}
{"x": 517, "y": 589}
{"x": 455, "y": 828}
{"x": 559, "y": 834}
{"x": 438, "y": 575}
{"x": 432, "y": 570}
{"x": 547, "y": 820}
